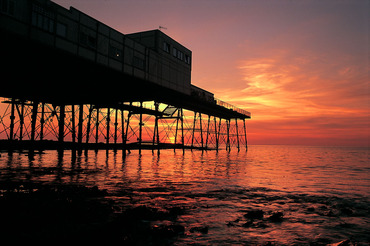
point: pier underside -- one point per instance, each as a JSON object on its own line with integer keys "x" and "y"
{"x": 136, "y": 125}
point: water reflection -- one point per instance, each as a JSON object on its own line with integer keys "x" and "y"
{"x": 301, "y": 194}
{"x": 300, "y": 170}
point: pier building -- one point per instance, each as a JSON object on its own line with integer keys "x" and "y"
{"x": 70, "y": 81}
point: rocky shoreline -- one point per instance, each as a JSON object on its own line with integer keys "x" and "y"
{"x": 64, "y": 213}
{"x": 74, "y": 213}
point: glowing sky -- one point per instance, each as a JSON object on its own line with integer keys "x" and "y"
{"x": 301, "y": 67}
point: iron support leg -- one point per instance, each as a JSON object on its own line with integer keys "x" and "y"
{"x": 33, "y": 120}
{"x": 12, "y": 117}
{"x": 177, "y": 128}
{"x": 88, "y": 127}
{"x": 115, "y": 127}
{"x": 216, "y": 137}
{"x": 228, "y": 134}
{"x": 192, "y": 137}
{"x": 209, "y": 119}
{"x": 108, "y": 122}
{"x": 97, "y": 126}
{"x": 182, "y": 132}
{"x": 123, "y": 133}
{"x": 73, "y": 123}
{"x": 157, "y": 128}
{"x": 201, "y": 131}
{"x": 80, "y": 124}
{"x": 21, "y": 120}
{"x": 127, "y": 125}
{"x": 245, "y": 135}
{"x": 140, "y": 128}
{"x": 61, "y": 124}
{"x": 155, "y": 132}
{"x": 42, "y": 121}
{"x": 237, "y": 134}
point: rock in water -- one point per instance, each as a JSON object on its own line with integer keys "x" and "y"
{"x": 254, "y": 214}
{"x": 248, "y": 224}
{"x": 277, "y": 217}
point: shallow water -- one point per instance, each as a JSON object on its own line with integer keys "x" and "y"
{"x": 306, "y": 195}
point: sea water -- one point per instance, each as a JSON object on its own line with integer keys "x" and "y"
{"x": 304, "y": 195}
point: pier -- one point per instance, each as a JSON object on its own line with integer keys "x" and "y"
{"x": 70, "y": 81}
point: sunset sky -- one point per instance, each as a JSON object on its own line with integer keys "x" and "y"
{"x": 301, "y": 67}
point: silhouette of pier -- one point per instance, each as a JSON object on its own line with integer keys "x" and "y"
{"x": 70, "y": 81}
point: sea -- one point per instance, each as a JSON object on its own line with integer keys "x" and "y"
{"x": 265, "y": 195}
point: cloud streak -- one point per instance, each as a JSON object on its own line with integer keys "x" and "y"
{"x": 305, "y": 97}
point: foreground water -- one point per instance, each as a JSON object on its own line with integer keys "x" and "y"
{"x": 279, "y": 195}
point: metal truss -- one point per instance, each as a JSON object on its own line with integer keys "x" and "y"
{"x": 128, "y": 126}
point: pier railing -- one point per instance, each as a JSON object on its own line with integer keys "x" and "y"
{"x": 232, "y": 107}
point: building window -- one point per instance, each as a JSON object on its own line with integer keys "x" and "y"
{"x": 115, "y": 52}
{"x": 187, "y": 59}
{"x": 166, "y": 47}
{"x": 61, "y": 30}
{"x": 87, "y": 40}
{"x": 42, "y": 19}
{"x": 7, "y": 6}
{"x": 138, "y": 63}
{"x": 180, "y": 55}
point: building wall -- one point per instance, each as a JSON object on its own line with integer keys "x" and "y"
{"x": 70, "y": 30}
{"x": 202, "y": 94}
{"x": 169, "y": 62}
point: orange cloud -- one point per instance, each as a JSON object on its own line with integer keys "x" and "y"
{"x": 304, "y": 99}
